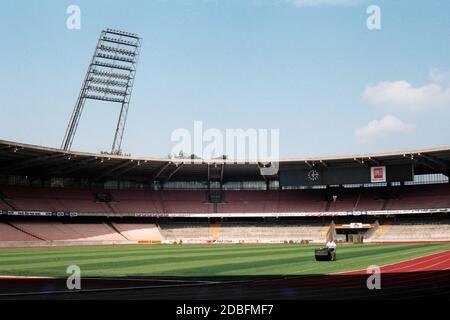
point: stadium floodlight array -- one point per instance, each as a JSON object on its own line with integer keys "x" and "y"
{"x": 107, "y": 91}
{"x": 108, "y": 82}
{"x": 113, "y": 67}
{"x": 120, "y": 41}
{"x": 117, "y": 50}
{"x": 110, "y": 75}
{"x": 113, "y": 57}
{"x": 122, "y": 33}
{"x": 96, "y": 97}
{"x": 99, "y": 63}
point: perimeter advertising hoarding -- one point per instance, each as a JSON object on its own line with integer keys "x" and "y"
{"x": 314, "y": 176}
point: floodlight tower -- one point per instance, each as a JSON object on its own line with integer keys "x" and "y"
{"x": 110, "y": 77}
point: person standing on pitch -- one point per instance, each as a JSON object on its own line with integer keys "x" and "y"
{"x": 331, "y": 246}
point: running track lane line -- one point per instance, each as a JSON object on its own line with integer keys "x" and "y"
{"x": 409, "y": 264}
{"x": 413, "y": 265}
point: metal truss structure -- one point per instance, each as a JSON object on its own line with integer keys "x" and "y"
{"x": 110, "y": 78}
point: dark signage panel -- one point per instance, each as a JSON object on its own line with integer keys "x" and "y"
{"x": 353, "y": 175}
{"x": 400, "y": 173}
{"x": 290, "y": 177}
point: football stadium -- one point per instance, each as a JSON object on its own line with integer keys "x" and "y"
{"x": 147, "y": 222}
{"x": 78, "y": 224}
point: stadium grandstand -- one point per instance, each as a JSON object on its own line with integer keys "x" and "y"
{"x": 53, "y": 196}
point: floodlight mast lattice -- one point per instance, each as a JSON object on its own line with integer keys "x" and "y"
{"x": 110, "y": 77}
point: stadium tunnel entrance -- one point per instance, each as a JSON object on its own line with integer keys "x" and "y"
{"x": 352, "y": 234}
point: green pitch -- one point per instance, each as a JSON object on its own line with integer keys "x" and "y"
{"x": 202, "y": 260}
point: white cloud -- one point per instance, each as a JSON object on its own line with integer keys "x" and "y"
{"x": 378, "y": 129}
{"x": 401, "y": 94}
{"x": 438, "y": 75}
{"x": 317, "y": 3}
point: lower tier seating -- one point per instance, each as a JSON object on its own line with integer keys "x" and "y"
{"x": 414, "y": 230}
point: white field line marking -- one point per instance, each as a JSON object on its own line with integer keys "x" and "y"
{"x": 418, "y": 263}
{"x": 426, "y": 267}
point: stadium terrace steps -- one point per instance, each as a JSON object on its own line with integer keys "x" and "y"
{"x": 4, "y": 205}
{"x": 139, "y": 231}
{"x": 52, "y": 231}
{"x": 270, "y": 231}
{"x": 187, "y": 201}
{"x": 139, "y": 201}
{"x": 57, "y": 231}
{"x": 415, "y": 231}
{"x": 324, "y": 232}
{"x": 369, "y": 203}
{"x": 215, "y": 231}
{"x": 10, "y": 233}
{"x": 381, "y": 230}
{"x": 342, "y": 205}
{"x": 242, "y": 232}
{"x": 185, "y": 231}
{"x": 346, "y": 201}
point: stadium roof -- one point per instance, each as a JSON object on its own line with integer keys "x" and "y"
{"x": 44, "y": 162}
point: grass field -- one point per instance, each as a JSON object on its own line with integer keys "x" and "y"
{"x": 202, "y": 260}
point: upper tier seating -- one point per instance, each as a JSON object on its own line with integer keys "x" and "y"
{"x": 138, "y": 201}
{"x": 370, "y": 200}
{"x": 273, "y": 201}
{"x": 421, "y": 197}
{"x": 4, "y": 206}
{"x": 53, "y": 199}
{"x": 186, "y": 202}
{"x": 346, "y": 202}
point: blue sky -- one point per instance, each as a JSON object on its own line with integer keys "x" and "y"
{"x": 308, "y": 67}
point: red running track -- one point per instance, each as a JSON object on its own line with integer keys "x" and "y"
{"x": 435, "y": 262}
